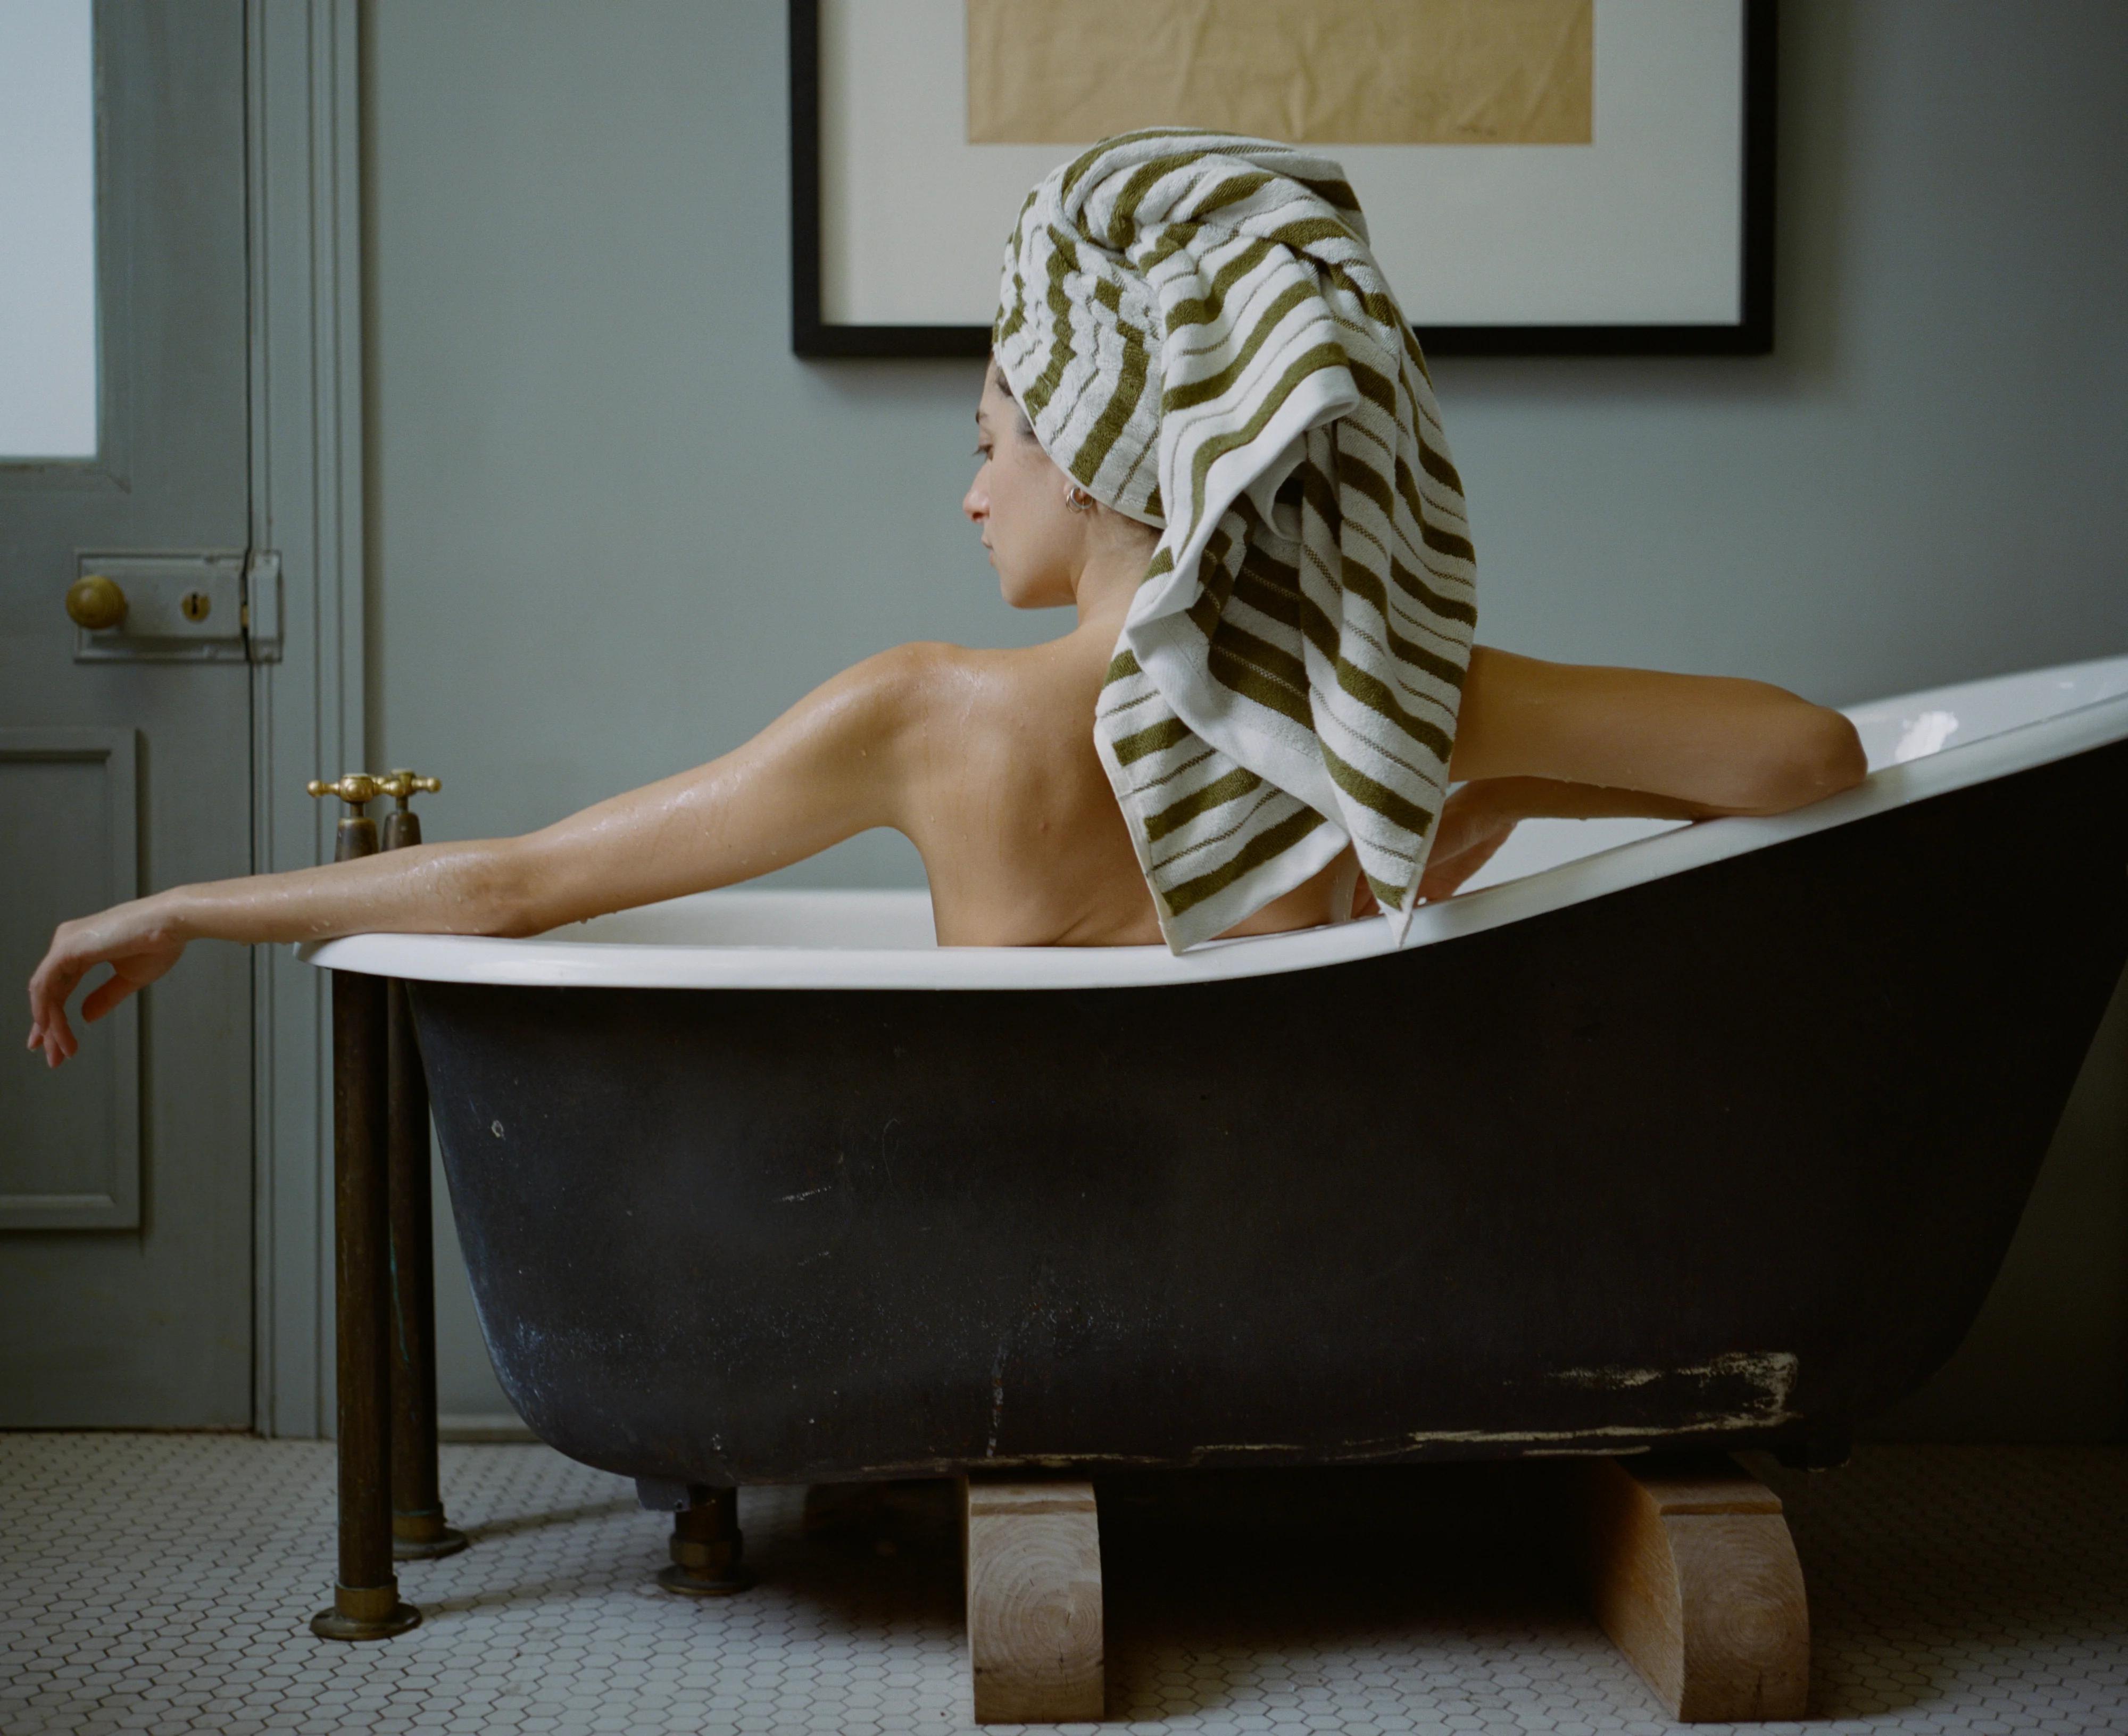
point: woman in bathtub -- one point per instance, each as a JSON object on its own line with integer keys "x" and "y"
{"x": 1041, "y": 785}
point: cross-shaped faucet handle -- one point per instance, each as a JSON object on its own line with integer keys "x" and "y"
{"x": 357, "y": 788}
{"x": 401, "y": 784}
{"x": 354, "y": 789}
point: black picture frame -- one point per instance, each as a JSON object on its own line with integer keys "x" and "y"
{"x": 1752, "y": 334}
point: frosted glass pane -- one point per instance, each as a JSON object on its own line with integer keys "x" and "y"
{"x": 47, "y": 230}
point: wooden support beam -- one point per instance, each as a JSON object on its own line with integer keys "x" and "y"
{"x": 1694, "y": 1575}
{"x": 1033, "y": 1552}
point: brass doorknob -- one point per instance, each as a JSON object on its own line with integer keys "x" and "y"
{"x": 95, "y": 602}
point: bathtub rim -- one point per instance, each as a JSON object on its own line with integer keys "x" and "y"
{"x": 547, "y": 962}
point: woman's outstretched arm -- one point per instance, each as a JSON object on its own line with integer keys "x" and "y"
{"x": 1573, "y": 741}
{"x": 1709, "y": 743}
{"x": 843, "y": 760}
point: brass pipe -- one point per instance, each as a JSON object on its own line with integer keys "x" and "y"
{"x": 419, "y": 1529}
{"x": 366, "y": 1603}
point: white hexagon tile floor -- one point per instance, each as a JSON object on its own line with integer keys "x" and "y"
{"x": 163, "y": 1583}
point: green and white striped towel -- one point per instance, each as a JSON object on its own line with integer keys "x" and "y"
{"x": 1194, "y": 325}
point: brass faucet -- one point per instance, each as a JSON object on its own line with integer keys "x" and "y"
{"x": 402, "y": 784}
{"x": 354, "y": 789}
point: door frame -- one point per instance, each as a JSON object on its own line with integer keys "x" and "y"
{"x": 304, "y": 192}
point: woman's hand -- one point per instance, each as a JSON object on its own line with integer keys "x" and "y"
{"x": 1474, "y": 822}
{"x": 134, "y": 939}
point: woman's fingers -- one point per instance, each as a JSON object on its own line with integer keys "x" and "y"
{"x": 1474, "y": 822}
{"x": 51, "y": 1033}
{"x": 1444, "y": 874}
{"x": 137, "y": 951}
{"x": 49, "y": 989}
{"x": 129, "y": 972}
{"x": 107, "y": 995}
{"x": 48, "y": 1029}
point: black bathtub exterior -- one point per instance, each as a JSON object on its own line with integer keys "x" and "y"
{"x": 1726, "y": 1159}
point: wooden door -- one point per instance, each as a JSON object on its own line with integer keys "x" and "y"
{"x": 125, "y": 1177}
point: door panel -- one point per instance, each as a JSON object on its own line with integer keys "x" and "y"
{"x": 71, "y": 1158}
{"x": 135, "y": 1310}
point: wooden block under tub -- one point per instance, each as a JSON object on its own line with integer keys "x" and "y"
{"x": 1032, "y": 1551}
{"x": 1693, "y": 1573}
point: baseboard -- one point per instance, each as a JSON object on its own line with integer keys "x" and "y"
{"x": 475, "y": 1425}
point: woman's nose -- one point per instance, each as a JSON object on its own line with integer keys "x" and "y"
{"x": 975, "y": 504}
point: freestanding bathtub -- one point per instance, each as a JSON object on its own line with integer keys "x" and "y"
{"x": 1711, "y": 1135}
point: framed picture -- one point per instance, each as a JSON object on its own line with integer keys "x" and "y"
{"x": 1540, "y": 177}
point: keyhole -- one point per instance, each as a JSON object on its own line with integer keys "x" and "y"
{"x": 195, "y": 605}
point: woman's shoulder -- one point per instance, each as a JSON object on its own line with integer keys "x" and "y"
{"x": 925, "y": 674}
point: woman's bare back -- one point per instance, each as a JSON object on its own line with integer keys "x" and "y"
{"x": 1021, "y": 838}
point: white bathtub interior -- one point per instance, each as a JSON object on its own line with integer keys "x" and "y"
{"x": 897, "y": 919}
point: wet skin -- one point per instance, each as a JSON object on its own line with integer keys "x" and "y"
{"x": 986, "y": 761}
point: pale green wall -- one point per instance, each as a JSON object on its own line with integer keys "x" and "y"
{"x": 615, "y": 526}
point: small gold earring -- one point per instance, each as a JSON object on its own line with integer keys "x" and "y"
{"x": 1078, "y": 499}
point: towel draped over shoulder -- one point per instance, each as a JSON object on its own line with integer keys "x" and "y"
{"x": 1196, "y": 327}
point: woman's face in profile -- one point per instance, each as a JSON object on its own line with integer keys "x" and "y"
{"x": 1017, "y": 502}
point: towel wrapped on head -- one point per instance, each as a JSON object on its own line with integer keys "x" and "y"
{"x": 1196, "y": 328}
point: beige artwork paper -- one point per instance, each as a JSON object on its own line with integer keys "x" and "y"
{"x": 1345, "y": 72}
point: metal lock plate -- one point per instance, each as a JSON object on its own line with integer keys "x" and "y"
{"x": 185, "y": 608}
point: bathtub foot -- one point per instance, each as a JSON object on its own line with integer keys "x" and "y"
{"x": 1033, "y": 1552}
{"x": 706, "y": 1545}
{"x": 1694, "y": 1576}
